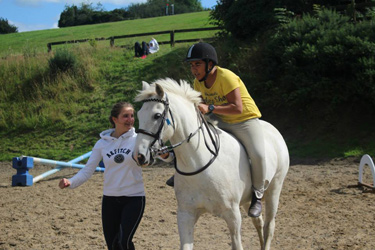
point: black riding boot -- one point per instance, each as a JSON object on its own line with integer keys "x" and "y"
{"x": 255, "y": 209}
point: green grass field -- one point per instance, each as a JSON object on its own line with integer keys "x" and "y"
{"x": 59, "y": 116}
{"x": 36, "y": 41}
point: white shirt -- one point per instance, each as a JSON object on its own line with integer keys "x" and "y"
{"x": 153, "y": 46}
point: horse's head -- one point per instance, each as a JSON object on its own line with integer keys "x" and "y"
{"x": 156, "y": 123}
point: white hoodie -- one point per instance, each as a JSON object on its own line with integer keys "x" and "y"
{"x": 153, "y": 46}
{"x": 122, "y": 175}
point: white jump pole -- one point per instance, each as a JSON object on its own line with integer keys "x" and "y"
{"x": 61, "y": 165}
{"x": 58, "y": 168}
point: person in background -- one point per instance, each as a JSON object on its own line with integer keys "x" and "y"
{"x": 124, "y": 199}
{"x": 153, "y": 46}
{"x": 145, "y": 49}
{"x": 226, "y": 96}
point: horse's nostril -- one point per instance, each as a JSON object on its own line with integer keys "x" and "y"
{"x": 141, "y": 159}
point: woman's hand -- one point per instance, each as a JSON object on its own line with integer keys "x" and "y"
{"x": 164, "y": 156}
{"x": 64, "y": 183}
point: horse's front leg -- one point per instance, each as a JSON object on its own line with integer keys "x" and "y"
{"x": 186, "y": 221}
{"x": 233, "y": 220}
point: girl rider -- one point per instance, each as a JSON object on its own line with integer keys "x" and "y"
{"x": 226, "y": 96}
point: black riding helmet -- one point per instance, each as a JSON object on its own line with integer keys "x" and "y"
{"x": 202, "y": 51}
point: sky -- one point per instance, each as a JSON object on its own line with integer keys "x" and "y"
{"x": 29, "y": 15}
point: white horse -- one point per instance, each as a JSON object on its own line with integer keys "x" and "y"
{"x": 212, "y": 167}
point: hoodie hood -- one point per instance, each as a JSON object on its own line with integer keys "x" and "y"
{"x": 106, "y": 134}
{"x": 107, "y": 139}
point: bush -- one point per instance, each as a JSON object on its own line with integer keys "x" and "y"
{"x": 322, "y": 59}
{"x": 246, "y": 19}
{"x": 243, "y": 18}
{"x": 63, "y": 61}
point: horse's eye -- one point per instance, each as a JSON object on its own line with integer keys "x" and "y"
{"x": 157, "y": 116}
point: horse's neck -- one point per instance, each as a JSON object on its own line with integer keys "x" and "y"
{"x": 192, "y": 154}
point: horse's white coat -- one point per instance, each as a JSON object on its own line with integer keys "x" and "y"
{"x": 225, "y": 185}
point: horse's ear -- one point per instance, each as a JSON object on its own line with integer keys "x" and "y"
{"x": 159, "y": 91}
{"x": 145, "y": 85}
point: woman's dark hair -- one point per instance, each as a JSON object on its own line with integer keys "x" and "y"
{"x": 116, "y": 110}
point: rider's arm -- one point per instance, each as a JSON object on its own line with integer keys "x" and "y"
{"x": 232, "y": 107}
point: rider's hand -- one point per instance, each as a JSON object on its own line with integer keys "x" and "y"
{"x": 203, "y": 108}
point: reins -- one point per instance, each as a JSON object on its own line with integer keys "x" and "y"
{"x": 215, "y": 139}
{"x": 210, "y": 129}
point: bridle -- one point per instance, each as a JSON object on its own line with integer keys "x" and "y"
{"x": 164, "y": 119}
{"x": 210, "y": 130}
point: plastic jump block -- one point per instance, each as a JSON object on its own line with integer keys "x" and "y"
{"x": 22, "y": 178}
{"x": 366, "y": 160}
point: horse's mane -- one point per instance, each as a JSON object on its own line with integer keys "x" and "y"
{"x": 171, "y": 86}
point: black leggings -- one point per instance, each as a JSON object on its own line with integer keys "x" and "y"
{"x": 121, "y": 217}
{"x": 141, "y": 50}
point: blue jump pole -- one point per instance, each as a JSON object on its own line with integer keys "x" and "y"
{"x": 63, "y": 164}
{"x": 58, "y": 168}
{"x": 24, "y": 163}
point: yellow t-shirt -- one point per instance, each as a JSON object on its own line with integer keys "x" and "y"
{"x": 226, "y": 81}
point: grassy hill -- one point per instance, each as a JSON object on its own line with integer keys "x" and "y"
{"x": 58, "y": 115}
{"x": 36, "y": 41}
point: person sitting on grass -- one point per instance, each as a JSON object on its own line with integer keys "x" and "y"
{"x": 145, "y": 49}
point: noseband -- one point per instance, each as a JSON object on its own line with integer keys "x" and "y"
{"x": 215, "y": 140}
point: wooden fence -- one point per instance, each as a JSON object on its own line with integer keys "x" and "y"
{"x": 112, "y": 39}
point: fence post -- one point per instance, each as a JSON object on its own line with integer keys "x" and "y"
{"x": 112, "y": 41}
{"x": 49, "y": 46}
{"x": 172, "y": 38}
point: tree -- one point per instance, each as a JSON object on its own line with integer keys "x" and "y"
{"x": 68, "y": 16}
{"x": 153, "y": 8}
{"x": 245, "y": 19}
{"x": 86, "y": 13}
{"x": 6, "y": 28}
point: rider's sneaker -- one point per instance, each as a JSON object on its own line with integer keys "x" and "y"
{"x": 255, "y": 209}
{"x": 170, "y": 181}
